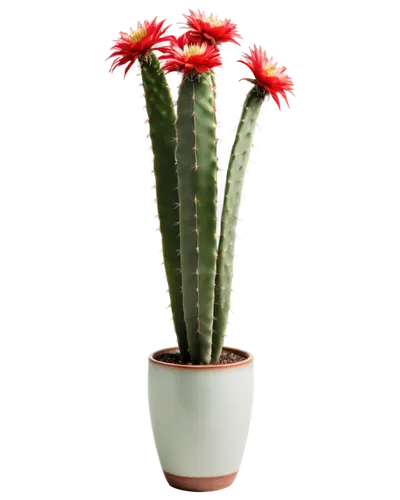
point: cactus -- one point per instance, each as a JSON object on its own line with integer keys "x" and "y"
{"x": 162, "y": 119}
{"x": 197, "y": 181}
{"x": 233, "y": 192}
{"x": 185, "y": 166}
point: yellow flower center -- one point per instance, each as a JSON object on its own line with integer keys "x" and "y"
{"x": 269, "y": 71}
{"x": 137, "y": 35}
{"x": 213, "y": 21}
{"x": 194, "y": 50}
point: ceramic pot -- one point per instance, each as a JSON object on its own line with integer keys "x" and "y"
{"x": 200, "y": 417}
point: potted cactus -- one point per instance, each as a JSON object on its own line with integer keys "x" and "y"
{"x": 200, "y": 393}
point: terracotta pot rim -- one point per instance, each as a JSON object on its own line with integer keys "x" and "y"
{"x": 249, "y": 359}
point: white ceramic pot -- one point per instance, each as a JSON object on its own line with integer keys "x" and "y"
{"x": 200, "y": 417}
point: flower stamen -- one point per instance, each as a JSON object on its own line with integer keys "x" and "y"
{"x": 213, "y": 22}
{"x": 195, "y": 50}
{"x": 138, "y": 35}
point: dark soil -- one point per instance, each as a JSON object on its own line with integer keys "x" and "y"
{"x": 226, "y": 358}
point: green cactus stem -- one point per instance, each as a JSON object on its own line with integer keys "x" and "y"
{"x": 197, "y": 181}
{"x": 220, "y": 202}
{"x": 233, "y": 192}
{"x": 221, "y": 180}
{"x": 162, "y": 120}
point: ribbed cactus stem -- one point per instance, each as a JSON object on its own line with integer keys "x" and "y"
{"x": 233, "y": 192}
{"x": 162, "y": 120}
{"x": 197, "y": 181}
{"x": 221, "y": 180}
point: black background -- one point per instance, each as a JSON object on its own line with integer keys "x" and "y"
{"x": 120, "y": 289}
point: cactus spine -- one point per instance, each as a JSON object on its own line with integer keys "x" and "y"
{"x": 162, "y": 119}
{"x": 233, "y": 192}
{"x": 197, "y": 181}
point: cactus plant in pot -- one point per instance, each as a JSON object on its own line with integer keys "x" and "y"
{"x": 200, "y": 393}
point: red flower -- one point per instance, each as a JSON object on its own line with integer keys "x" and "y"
{"x": 267, "y": 74}
{"x": 137, "y": 43}
{"x": 190, "y": 58}
{"x": 210, "y": 29}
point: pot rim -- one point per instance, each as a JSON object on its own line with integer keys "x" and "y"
{"x": 249, "y": 359}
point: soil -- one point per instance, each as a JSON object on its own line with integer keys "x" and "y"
{"x": 226, "y": 358}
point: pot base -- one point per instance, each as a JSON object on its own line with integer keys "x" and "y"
{"x": 200, "y": 483}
